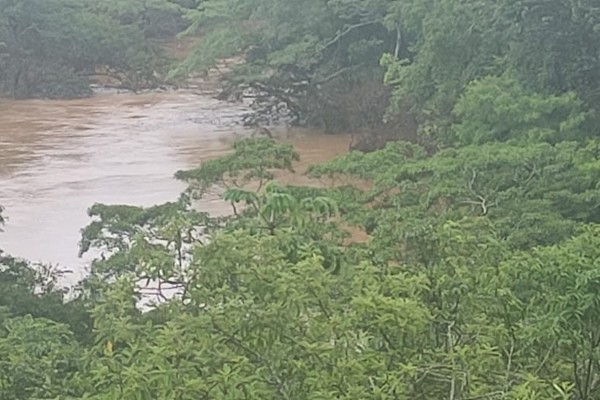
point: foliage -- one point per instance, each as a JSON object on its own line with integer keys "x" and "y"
{"x": 560, "y": 307}
{"x": 252, "y": 160}
{"x": 554, "y": 45}
{"x": 302, "y": 59}
{"x": 325, "y": 66}
{"x": 38, "y": 360}
{"x": 154, "y": 18}
{"x": 27, "y": 289}
{"x": 548, "y": 45}
{"x": 498, "y": 109}
{"x": 49, "y": 48}
{"x": 536, "y": 194}
{"x": 479, "y": 277}
{"x": 149, "y": 244}
{"x": 447, "y": 299}
{"x": 453, "y": 42}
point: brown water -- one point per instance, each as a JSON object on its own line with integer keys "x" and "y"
{"x": 59, "y": 158}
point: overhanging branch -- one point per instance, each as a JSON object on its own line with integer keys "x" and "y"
{"x": 348, "y": 30}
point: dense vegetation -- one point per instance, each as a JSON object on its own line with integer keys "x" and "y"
{"x": 325, "y": 61}
{"x": 480, "y": 278}
{"x": 50, "y": 48}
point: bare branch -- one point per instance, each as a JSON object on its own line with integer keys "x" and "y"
{"x": 348, "y": 30}
{"x": 481, "y": 200}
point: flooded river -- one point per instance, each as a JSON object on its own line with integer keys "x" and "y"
{"x": 57, "y": 158}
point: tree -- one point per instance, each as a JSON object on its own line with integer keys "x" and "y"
{"x": 499, "y": 109}
{"x": 38, "y": 359}
{"x": 453, "y": 43}
{"x": 554, "y": 45}
{"x": 479, "y": 277}
{"x": 556, "y": 293}
{"x": 535, "y": 194}
{"x": 50, "y": 48}
{"x": 302, "y": 59}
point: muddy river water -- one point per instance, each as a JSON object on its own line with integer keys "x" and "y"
{"x": 57, "y": 158}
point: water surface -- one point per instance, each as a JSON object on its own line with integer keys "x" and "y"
{"x": 57, "y": 158}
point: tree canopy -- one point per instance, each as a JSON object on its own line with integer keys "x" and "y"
{"x": 479, "y": 277}
{"x": 50, "y": 48}
{"x": 323, "y": 62}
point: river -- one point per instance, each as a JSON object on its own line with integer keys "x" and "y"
{"x": 57, "y": 158}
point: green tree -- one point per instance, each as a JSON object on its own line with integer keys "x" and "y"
{"x": 453, "y": 42}
{"x": 553, "y": 293}
{"x": 479, "y": 277}
{"x": 554, "y": 45}
{"x": 499, "y": 109}
{"x": 310, "y": 59}
{"x": 38, "y": 359}
{"x": 49, "y": 48}
{"x": 536, "y": 193}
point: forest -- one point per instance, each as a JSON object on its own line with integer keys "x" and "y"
{"x": 55, "y": 48}
{"x": 474, "y": 176}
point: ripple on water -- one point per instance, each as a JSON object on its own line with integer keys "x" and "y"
{"x": 57, "y": 158}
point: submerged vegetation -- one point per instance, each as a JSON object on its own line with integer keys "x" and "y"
{"x": 479, "y": 279}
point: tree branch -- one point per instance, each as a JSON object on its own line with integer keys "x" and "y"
{"x": 348, "y": 30}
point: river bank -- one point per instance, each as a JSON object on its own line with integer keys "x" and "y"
{"x": 57, "y": 158}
